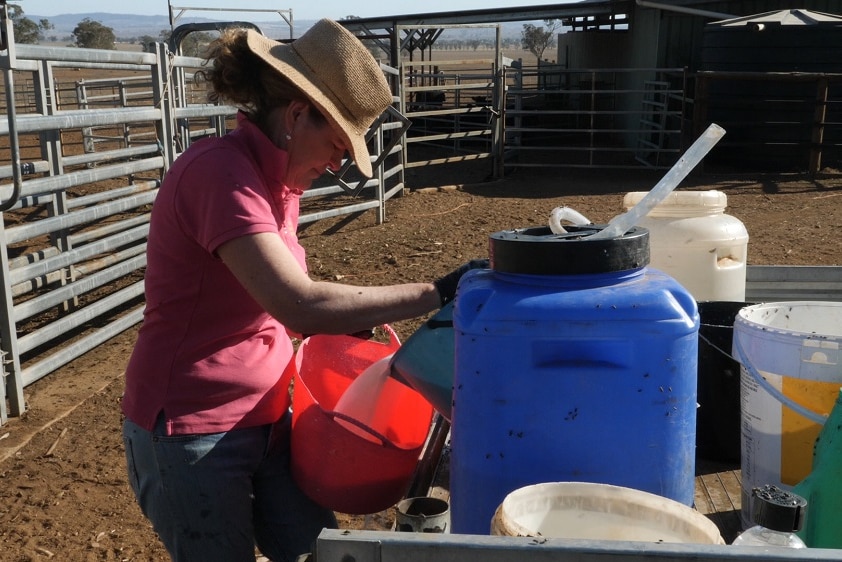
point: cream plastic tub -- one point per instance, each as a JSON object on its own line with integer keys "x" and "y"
{"x": 694, "y": 241}
{"x": 582, "y": 510}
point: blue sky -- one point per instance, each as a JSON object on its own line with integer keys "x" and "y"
{"x": 308, "y": 10}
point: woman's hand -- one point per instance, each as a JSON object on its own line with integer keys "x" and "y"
{"x": 446, "y": 286}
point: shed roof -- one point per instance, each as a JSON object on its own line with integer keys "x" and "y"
{"x": 565, "y": 11}
{"x": 782, "y": 17}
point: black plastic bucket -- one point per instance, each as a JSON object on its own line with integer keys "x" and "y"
{"x": 718, "y": 417}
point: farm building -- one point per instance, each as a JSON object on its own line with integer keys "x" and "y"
{"x": 631, "y": 81}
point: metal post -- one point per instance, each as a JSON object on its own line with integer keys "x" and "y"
{"x": 162, "y": 97}
{"x": 11, "y": 369}
{"x": 380, "y": 176}
{"x": 498, "y": 101}
{"x": 9, "y": 62}
{"x": 11, "y": 382}
{"x": 401, "y": 93}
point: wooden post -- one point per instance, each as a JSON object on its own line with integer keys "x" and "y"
{"x": 700, "y": 109}
{"x": 700, "y": 104}
{"x": 818, "y": 125}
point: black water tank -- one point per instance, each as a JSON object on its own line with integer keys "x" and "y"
{"x": 769, "y": 123}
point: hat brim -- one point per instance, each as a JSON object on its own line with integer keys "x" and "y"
{"x": 283, "y": 58}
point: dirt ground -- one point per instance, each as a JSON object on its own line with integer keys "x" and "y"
{"x": 63, "y": 491}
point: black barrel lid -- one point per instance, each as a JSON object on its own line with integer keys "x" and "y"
{"x": 539, "y": 251}
{"x": 778, "y": 509}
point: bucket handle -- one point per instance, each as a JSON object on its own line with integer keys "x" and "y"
{"x": 357, "y": 423}
{"x": 777, "y": 394}
{"x": 394, "y": 341}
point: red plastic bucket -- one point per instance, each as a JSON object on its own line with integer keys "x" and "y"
{"x": 337, "y": 467}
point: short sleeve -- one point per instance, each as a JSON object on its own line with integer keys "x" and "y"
{"x": 221, "y": 196}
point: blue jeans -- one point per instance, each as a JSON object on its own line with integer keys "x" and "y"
{"x": 214, "y": 497}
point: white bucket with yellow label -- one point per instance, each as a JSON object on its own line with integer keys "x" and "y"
{"x": 791, "y": 373}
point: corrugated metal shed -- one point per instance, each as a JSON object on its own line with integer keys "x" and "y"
{"x": 677, "y": 32}
{"x": 783, "y": 18}
{"x": 782, "y": 41}
{"x": 775, "y": 118}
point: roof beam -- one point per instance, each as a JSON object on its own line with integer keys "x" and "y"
{"x": 494, "y": 15}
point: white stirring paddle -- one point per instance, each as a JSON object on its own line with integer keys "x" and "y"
{"x": 622, "y": 223}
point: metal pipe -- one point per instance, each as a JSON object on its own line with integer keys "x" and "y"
{"x": 312, "y": 217}
{"x": 684, "y": 10}
{"x": 92, "y": 266}
{"x": 14, "y": 143}
{"x": 95, "y": 234}
{"x": 73, "y": 54}
{"x": 84, "y": 118}
{"x": 136, "y": 187}
{"x": 53, "y": 184}
{"x": 87, "y": 268}
{"x": 73, "y": 321}
{"x": 108, "y": 155}
{"x": 425, "y": 471}
{"x": 77, "y": 255}
{"x": 35, "y": 167}
{"x": 67, "y": 292}
{"x": 27, "y": 231}
{"x": 67, "y": 354}
{"x": 204, "y": 110}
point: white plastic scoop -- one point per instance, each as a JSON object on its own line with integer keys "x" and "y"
{"x": 622, "y": 223}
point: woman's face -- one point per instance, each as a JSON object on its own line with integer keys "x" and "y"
{"x": 313, "y": 146}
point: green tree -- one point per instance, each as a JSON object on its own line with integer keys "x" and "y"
{"x": 536, "y": 39}
{"x": 196, "y": 43}
{"x": 192, "y": 45}
{"x": 26, "y": 30}
{"x": 89, "y": 34}
{"x": 147, "y": 43}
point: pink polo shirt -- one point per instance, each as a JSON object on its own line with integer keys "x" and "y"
{"x": 207, "y": 355}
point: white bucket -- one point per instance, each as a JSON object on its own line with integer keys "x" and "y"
{"x": 790, "y": 376}
{"x": 584, "y": 510}
{"x": 695, "y": 242}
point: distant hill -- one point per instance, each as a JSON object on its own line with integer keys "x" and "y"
{"x": 129, "y": 26}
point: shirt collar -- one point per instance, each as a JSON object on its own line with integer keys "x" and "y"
{"x": 271, "y": 160}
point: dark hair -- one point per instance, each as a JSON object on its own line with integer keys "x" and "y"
{"x": 239, "y": 77}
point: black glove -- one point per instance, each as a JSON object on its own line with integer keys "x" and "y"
{"x": 446, "y": 286}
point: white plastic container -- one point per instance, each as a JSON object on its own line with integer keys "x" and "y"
{"x": 586, "y": 510}
{"x": 694, "y": 241}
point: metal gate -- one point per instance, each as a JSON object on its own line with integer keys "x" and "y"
{"x": 453, "y": 104}
{"x": 81, "y": 160}
{"x": 586, "y": 118}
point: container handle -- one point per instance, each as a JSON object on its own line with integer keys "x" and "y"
{"x": 358, "y": 424}
{"x": 394, "y": 340}
{"x": 777, "y": 394}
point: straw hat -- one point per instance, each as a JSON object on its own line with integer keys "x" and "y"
{"x": 337, "y": 74}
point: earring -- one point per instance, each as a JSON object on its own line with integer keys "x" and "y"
{"x": 288, "y": 136}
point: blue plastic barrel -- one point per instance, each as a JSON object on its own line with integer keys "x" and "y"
{"x": 573, "y": 362}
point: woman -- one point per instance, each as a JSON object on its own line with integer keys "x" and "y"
{"x": 206, "y": 406}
